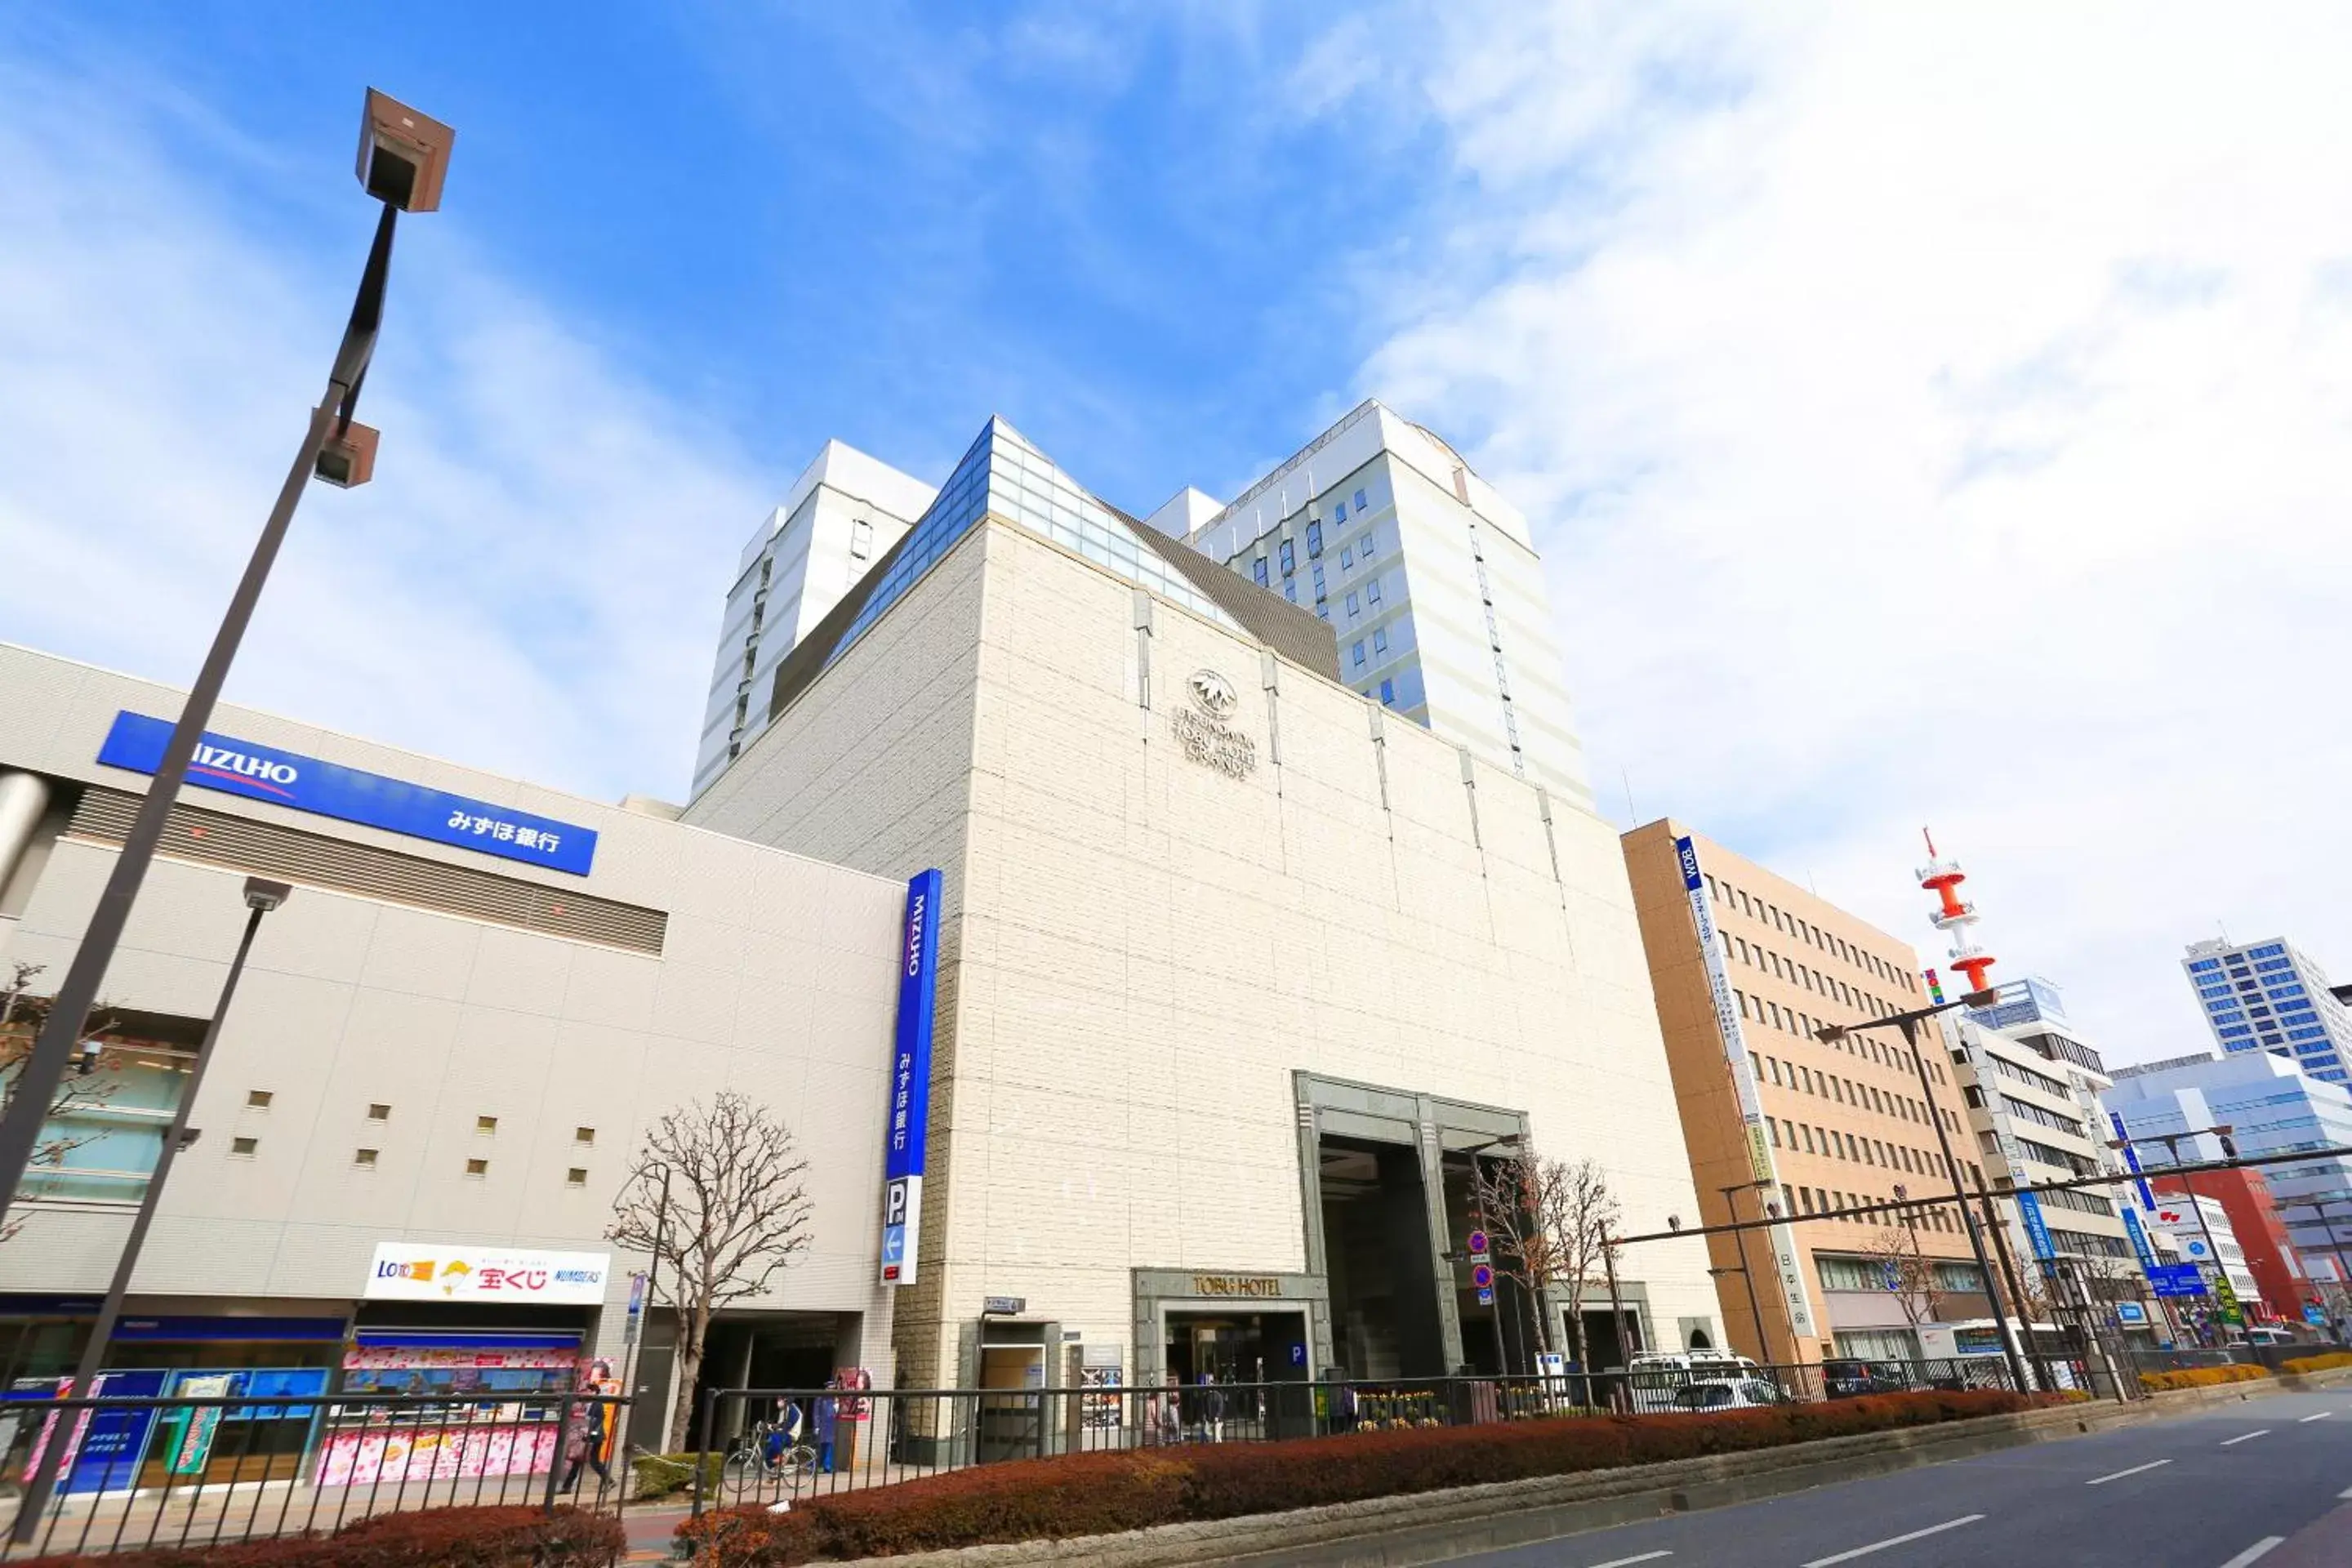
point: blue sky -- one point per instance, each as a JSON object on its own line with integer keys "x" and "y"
{"x": 881, "y": 223}
{"x": 1924, "y": 419}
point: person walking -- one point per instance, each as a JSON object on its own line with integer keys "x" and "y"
{"x": 828, "y": 1411}
{"x": 585, "y": 1430}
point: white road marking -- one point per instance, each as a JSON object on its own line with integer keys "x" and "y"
{"x": 2245, "y": 1438}
{"x": 1623, "y": 1562}
{"x": 2259, "y": 1549}
{"x": 2321, "y": 1417}
{"x": 1914, "y": 1535}
{"x": 2119, "y": 1475}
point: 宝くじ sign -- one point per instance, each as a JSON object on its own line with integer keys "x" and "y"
{"x": 429, "y": 1271}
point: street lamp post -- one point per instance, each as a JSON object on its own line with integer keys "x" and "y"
{"x": 403, "y": 156}
{"x": 262, "y": 896}
{"x": 2171, "y": 1142}
{"x": 1740, "y": 1241}
{"x": 653, "y": 1284}
{"x": 2335, "y": 1243}
{"x": 1908, "y": 1023}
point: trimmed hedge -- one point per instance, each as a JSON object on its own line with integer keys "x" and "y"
{"x": 1079, "y": 1495}
{"x": 659, "y": 1474}
{"x": 2202, "y": 1377}
{"x": 493, "y": 1537}
{"x": 2328, "y": 1362}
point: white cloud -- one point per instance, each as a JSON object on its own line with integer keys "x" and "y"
{"x": 530, "y": 584}
{"x": 1933, "y": 415}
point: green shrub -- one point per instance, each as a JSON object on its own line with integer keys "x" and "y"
{"x": 2309, "y": 1363}
{"x": 1080, "y": 1495}
{"x": 660, "y": 1475}
{"x": 498, "y": 1537}
{"x": 2202, "y": 1377}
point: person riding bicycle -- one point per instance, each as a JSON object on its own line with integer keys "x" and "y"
{"x": 784, "y": 1432}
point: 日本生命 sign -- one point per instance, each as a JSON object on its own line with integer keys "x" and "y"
{"x": 430, "y": 1271}
{"x": 911, "y": 1081}
{"x": 136, "y": 742}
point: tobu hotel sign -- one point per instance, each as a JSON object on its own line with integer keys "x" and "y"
{"x": 428, "y": 1271}
{"x": 350, "y": 795}
{"x": 911, "y": 1081}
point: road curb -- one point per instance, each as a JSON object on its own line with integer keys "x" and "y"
{"x": 1432, "y": 1527}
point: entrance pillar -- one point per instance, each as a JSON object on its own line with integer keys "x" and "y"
{"x": 1441, "y": 1230}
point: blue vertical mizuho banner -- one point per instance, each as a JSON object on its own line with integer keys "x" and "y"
{"x": 911, "y": 1081}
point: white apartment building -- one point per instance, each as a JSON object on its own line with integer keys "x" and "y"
{"x": 1429, "y": 581}
{"x": 843, "y": 514}
{"x": 446, "y": 1049}
{"x": 2032, "y": 1083}
{"x": 2269, "y": 996}
{"x": 1239, "y": 972}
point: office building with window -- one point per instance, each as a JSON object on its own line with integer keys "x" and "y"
{"x": 1429, "y": 581}
{"x": 2031, "y": 1082}
{"x": 2271, "y": 1106}
{"x": 843, "y": 514}
{"x": 444, "y": 1053}
{"x": 1239, "y": 972}
{"x": 2271, "y": 996}
{"x": 1775, "y": 1116}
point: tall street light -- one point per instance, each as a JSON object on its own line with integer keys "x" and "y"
{"x": 260, "y": 897}
{"x": 2335, "y": 1244}
{"x": 2171, "y": 1142}
{"x": 1740, "y": 1241}
{"x": 403, "y": 158}
{"x": 1908, "y": 1023}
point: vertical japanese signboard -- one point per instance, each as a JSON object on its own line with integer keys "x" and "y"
{"x": 910, "y": 1081}
{"x": 1785, "y": 1261}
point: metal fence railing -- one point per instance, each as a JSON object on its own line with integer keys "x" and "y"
{"x": 183, "y": 1472}
{"x": 780, "y": 1445}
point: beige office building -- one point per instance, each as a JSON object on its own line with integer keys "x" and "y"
{"x": 1239, "y": 971}
{"x": 1830, "y": 1126}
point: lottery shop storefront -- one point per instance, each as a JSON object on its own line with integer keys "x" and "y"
{"x": 487, "y": 1341}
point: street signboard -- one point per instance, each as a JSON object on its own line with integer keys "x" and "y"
{"x": 1477, "y": 1241}
{"x": 2131, "y": 1314}
{"x": 2037, "y": 1230}
{"x": 1006, "y": 1306}
{"x": 2177, "y": 1279}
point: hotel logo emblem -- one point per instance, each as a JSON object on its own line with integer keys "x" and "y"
{"x": 1214, "y": 694}
{"x": 1202, "y": 732}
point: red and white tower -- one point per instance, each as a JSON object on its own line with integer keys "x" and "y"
{"x": 1943, "y": 877}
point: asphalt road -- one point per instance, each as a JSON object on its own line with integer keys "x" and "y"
{"x": 2267, "y": 1482}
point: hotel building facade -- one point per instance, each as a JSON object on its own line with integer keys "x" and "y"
{"x": 1239, "y": 971}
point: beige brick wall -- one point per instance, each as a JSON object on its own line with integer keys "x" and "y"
{"x": 1141, "y": 950}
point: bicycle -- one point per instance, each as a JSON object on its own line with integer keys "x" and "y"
{"x": 769, "y": 1453}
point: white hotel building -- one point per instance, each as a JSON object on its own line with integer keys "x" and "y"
{"x": 1238, "y": 968}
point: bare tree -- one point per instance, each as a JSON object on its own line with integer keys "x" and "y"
{"x": 1552, "y": 1217}
{"x": 1909, "y": 1273}
{"x": 97, "y": 1078}
{"x": 1504, "y": 1197}
{"x": 737, "y": 1212}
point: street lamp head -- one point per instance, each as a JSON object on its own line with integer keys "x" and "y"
{"x": 403, "y": 155}
{"x": 1980, "y": 999}
{"x": 1829, "y": 1033}
{"x": 265, "y": 895}
{"x": 348, "y": 459}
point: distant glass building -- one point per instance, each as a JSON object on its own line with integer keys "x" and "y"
{"x": 2270, "y": 1108}
{"x": 2267, "y": 995}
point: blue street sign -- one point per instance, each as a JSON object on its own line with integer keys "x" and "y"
{"x": 2177, "y": 1279}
